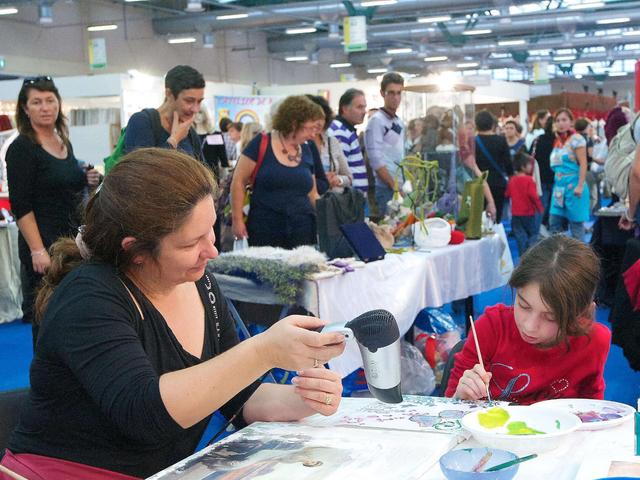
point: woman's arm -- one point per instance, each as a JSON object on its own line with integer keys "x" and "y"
{"x": 343, "y": 166}
{"x": 39, "y": 255}
{"x": 581, "y": 155}
{"x": 241, "y": 177}
{"x": 313, "y": 193}
{"x": 316, "y": 390}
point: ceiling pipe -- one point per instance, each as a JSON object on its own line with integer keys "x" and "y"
{"x": 282, "y": 15}
{"x": 520, "y": 25}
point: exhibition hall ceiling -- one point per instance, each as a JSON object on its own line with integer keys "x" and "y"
{"x": 589, "y": 37}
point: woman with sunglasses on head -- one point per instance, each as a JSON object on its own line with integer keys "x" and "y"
{"x": 45, "y": 181}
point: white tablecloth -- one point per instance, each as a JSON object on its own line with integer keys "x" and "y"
{"x": 10, "y": 289}
{"x": 403, "y": 284}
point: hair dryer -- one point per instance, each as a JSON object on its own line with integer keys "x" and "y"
{"x": 377, "y": 335}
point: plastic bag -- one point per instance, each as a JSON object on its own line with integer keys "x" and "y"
{"x": 240, "y": 244}
{"x": 417, "y": 376}
{"x": 436, "y": 333}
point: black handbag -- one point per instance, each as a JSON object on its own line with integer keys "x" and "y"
{"x": 335, "y": 209}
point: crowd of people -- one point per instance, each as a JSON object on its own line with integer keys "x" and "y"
{"x": 134, "y": 348}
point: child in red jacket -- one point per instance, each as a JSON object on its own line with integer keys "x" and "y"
{"x": 547, "y": 345}
{"x": 524, "y": 203}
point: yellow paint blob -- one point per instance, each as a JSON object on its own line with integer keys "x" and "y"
{"x": 493, "y": 418}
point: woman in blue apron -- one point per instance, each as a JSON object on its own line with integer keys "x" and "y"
{"x": 570, "y": 197}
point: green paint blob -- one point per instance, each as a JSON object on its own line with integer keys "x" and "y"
{"x": 521, "y": 428}
{"x": 558, "y": 424}
{"x": 493, "y": 418}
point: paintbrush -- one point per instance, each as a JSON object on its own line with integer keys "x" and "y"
{"x": 511, "y": 462}
{"x": 483, "y": 461}
{"x": 475, "y": 338}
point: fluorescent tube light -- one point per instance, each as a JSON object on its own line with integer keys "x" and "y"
{"x": 301, "y": 58}
{"x": 393, "y": 51}
{"x": 101, "y": 28}
{"x": 611, "y": 21}
{"x": 175, "y": 41}
{"x": 441, "y": 18}
{"x": 296, "y": 31}
{"x": 340, "y": 65}
{"x": 232, "y": 16}
{"x": 477, "y": 32}
{"x": 441, "y": 58}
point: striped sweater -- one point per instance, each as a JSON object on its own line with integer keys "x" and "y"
{"x": 348, "y": 139}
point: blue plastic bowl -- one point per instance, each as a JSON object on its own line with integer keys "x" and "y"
{"x": 457, "y": 464}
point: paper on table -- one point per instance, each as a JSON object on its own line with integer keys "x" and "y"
{"x": 285, "y": 450}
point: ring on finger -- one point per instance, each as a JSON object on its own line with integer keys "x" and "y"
{"x": 328, "y": 400}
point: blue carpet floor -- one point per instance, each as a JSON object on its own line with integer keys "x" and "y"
{"x": 623, "y": 384}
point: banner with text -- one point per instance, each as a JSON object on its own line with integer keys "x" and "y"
{"x": 245, "y": 108}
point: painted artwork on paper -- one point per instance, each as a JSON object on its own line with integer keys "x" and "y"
{"x": 415, "y": 413}
{"x": 281, "y": 451}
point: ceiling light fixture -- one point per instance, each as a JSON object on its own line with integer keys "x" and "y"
{"x": 178, "y": 40}
{"x": 194, "y": 6}
{"x": 299, "y": 30}
{"x": 441, "y": 58}
{"x": 8, "y": 11}
{"x": 467, "y": 65}
{"x": 611, "y": 21}
{"x": 584, "y": 6}
{"x": 477, "y": 32}
{"x": 101, "y": 28}
{"x": 378, "y": 3}
{"x": 441, "y": 18}
{"x": 617, "y": 74}
{"x": 301, "y": 58}
{"x": 631, "y": 33}
{"x": 340, "y": 65}
{"x": 232, "y": 16}
{"x": 578, "y": 76}
{"x": 508, "y": 43}
{"x": 564, "y": 58}
{"x": 395, "y": 51}
{"x": 377, "y": 70}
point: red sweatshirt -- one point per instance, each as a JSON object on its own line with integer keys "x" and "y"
{"x": 525, "y": 374}
{"x": 524, "y": 196}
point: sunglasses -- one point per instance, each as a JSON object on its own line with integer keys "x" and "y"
{"x": 32, "y": 80}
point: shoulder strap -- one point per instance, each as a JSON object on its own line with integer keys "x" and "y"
{"x": 490, "y": 157}
{"x": 196, "y": 144}
{"x": 156, "y": 125}
{"x": 211, "y": 306}
{"x": 264, "y": 142}
{"x": 332, "y": 163}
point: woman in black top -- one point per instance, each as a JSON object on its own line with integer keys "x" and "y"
{"x": 136, "y": 347}
{"x": 492, "y": 154}
{"x": 541, "y": 150}
{"x": 44, "y": 180}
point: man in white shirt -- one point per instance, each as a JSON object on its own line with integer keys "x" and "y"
{"x": 384, "y": 140}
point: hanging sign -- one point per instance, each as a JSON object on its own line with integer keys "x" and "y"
{"x": 355, "y": 34}
{"x": 541, "y": 73}
{"x": 97, "y": 53}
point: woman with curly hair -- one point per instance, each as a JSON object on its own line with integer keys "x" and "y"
{"x": 282, "y": 209}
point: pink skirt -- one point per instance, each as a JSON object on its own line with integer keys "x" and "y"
{"x": 38, "y": 467}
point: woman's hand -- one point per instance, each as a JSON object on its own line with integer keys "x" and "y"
{"x": 491, "y": 211}
{"x": 292, "y": 344}
{"x": 239, "y": 229}
{"x": 320, "y": 389}
{"x": 40, "y": 261}
{"x": 179, "y": 130}
{"x": 473, "y": 384}
{"x": 578, "y": 190}
{"x": 333, "y": 179}
{"x": 93, "y": 178}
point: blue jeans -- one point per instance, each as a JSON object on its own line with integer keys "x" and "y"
{"x": 383, "y": 195}
{"x": 557, "y": 224}
{"x": 525, "y": 229}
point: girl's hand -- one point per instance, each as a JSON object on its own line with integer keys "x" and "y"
{"x": 473, "y": 384}
{"x": 320, "y": 389}
{"x": 93, "y": 178}
{"x": 491, "y": 210}
{"x": 292, "y": 344}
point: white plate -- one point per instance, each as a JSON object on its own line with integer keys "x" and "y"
{"x": 594, "y": 414}
{"x": 554, "y": 426}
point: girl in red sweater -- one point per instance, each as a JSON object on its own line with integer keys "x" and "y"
{"x": 547, "y": 345}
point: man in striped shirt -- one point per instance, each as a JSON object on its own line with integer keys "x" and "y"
{"x": 351, "y": 111}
